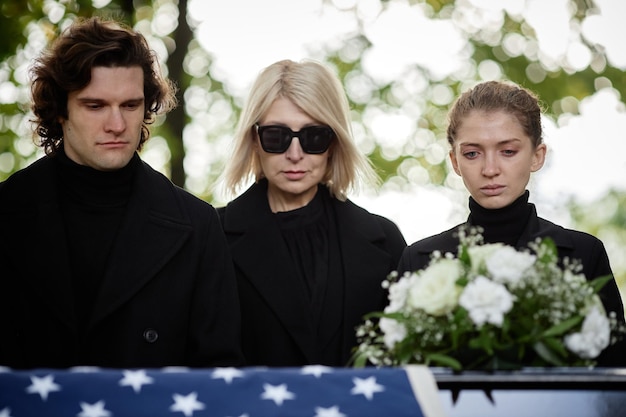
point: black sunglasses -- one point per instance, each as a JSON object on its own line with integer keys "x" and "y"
{"x": 313, "y": 139}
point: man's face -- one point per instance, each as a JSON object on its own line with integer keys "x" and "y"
{"x": 103, "y": 126}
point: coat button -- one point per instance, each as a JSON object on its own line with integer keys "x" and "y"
{"x": 150, "y": 335}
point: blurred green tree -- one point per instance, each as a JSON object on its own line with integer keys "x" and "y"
{"x": 211, "y": 112}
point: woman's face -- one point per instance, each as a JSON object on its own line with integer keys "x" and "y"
{"x": 293, "y": 175}
{"x": 494, "y": 157}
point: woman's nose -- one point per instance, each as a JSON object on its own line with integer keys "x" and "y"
{"x": 491, "y": 167}
{"x": 294, "y": 152}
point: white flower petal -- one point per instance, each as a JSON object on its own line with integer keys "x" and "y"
{"x": 486, "y": 301}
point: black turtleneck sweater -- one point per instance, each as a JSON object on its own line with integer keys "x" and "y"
{"x": 505, "y": 224}
{"x": 92, "y": 204}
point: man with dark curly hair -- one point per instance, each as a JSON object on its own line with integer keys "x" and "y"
{"x": 103, "y": 261}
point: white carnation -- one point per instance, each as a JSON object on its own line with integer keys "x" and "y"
{"x": 486, "y": 301}
{"x": 435, "y": 290}
{"x": 506, "y": 265}
{"x": 594, "y": 336}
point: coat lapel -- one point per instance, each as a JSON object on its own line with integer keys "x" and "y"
{"x": 259, "y": 251}
{"x": 153, "y": 231}
{"x": 273, "y": 274}
{"x": 365, "y": 265}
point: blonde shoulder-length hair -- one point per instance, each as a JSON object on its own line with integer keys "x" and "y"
{"x": 318, "y": 92}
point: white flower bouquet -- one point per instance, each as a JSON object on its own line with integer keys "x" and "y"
{"x": 491, "y": 308}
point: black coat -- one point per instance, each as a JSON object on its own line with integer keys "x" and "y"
{"x": 570, "y": 243}
{"x": 276, "y": 326}
{"x": 168, "y": 296}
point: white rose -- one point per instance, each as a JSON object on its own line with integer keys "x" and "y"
{"x": 507, "y": 265}
{"x": 478, "y": 254}
{"x": 594, "y": 336}
{"x": 486, "y": 301}
{"x": 393, "y": 331}
{"x": 435, "y": 290}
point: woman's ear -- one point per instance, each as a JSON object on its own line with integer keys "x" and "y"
{"x": 455, "y": 163}
{"x": 539, "y": 157}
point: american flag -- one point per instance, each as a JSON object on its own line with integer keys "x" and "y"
{"x": 311, "y": 391}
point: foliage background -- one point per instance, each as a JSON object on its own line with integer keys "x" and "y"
{"x": 209, "y": 111}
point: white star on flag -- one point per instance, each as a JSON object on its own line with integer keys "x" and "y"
{"x": 313, "y": 391}
{"x": 42, "y": 386}
{"x": 136, "y": 379}
{"x": 316, "y": 370}
{"x": 227, "y": 374}
{"x": 186, "y": 404}
{"x": 277, "y": 393}
{"x": 367, "y": 387}
{"x": 328, "y": 412}
{"x": 93, "y": 410}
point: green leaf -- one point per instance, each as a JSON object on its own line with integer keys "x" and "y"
{"x": 563, "y": 327}
{"x": 358, "y": 360}
{"x": 464, "y": 256}
{"x": 556, "y": 345}
{"x": 484, "y": 341}
{"x": 444, "y": 360}
{"x": 462, "y": 281}
{"x": 600, "y": 282}
{"x": 546, "y": 354}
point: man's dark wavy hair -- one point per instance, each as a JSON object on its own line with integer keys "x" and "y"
{"x": 66, "y": 67}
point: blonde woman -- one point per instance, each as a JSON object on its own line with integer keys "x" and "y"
{"x": 309, "y": 262}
